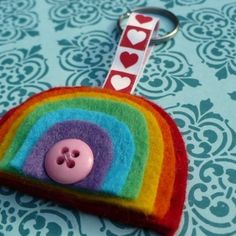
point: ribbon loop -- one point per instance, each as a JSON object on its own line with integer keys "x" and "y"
{"x": 132, "y": 53}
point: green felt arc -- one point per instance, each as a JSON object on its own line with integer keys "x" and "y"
{"x": 130, "y": 116}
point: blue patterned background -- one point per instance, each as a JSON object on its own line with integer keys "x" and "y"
{"x": 48, "y": 43}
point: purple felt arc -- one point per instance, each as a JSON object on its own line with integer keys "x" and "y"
{"x": 93, "y": 135}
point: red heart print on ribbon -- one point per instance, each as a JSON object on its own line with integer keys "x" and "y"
{"x": 128, "y": 59}
{"x": 132, "y": 53}
{"x": 143, "y": 19}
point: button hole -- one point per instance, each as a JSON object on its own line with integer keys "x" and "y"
{"x": 64, "y": 150}
{"x": 75, "y": 153}
{"x": 70, "y": 163}
{"x": 60, "y": 160}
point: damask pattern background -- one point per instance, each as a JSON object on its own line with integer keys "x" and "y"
{"x": 50, "y": 43}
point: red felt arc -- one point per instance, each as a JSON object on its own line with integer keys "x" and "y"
{"x": 167, "y": 225}
{"x": 7, "y": 115}
{"x": 173, "y": 216}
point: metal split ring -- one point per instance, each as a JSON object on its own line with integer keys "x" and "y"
{"x": 155, "y": 11}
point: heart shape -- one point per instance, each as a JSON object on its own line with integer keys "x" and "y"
{"x": 136, "y": 36}
{"x": 119, "y": 82}
{"x": 143, "y": 19}
{"x": 128, "y": 59}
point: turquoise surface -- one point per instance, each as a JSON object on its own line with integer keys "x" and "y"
{"x": 48, "y": 43}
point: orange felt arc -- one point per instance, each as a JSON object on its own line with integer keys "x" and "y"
{"x": 165, "y": 173}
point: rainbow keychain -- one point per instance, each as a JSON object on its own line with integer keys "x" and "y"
{"x": 102, "y": 151}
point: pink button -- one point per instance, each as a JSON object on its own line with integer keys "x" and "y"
{"x": 69, "y": 161}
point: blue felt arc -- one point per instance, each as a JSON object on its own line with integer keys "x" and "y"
{"x": 121, "y": 137}
{"x": 94, "y": 136}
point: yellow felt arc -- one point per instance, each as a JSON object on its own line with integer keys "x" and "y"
{"x": 146, "y": 200}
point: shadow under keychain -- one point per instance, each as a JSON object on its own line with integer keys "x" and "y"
{"x": 103, "y": 151}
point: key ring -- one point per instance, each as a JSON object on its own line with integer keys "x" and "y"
{"x": 159, "y": 11}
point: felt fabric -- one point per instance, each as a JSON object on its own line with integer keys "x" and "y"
{"x": 165, "y": 187}
{"x": 165, "y": 191}
{"x": 122, "y": 142}
{"x": 166, "y": 183}
{"x": 147, "y": 196}
{"x": 138, "y": 129}
{"x": 167, "y": 178}
{"x": 97, "y": 139}
{"x": 166, "y": 225}
{"x": 169, "y": 224}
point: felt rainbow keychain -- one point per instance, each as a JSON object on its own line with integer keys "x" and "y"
{"x": 103, "y": 151}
